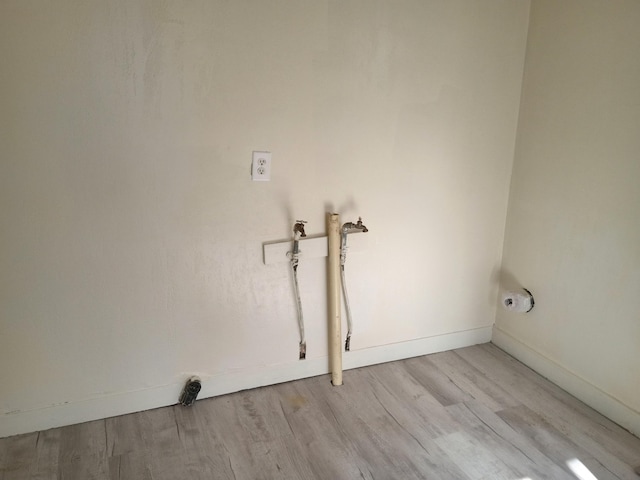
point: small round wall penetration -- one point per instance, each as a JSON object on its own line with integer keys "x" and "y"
{"x": 518, "y": 300}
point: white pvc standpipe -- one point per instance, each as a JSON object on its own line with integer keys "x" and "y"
{"x": 335, "y": 322}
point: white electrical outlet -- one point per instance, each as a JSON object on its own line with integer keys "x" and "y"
{"x": 261, "y": 167}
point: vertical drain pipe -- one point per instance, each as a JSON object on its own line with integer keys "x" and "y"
{"x": 335, "y": 321}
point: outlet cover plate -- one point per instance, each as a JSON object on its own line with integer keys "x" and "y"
{"x": 261, "y": 166}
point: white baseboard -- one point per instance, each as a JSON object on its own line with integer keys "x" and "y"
{"x": 577, "y": 386}
{"x": 129, "y": 402}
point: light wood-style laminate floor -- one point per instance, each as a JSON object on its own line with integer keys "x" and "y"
{"x": 472, "y": 413}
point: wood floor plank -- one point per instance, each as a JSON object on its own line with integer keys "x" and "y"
{"x": 222, "y": 436}
{"x": 129, "y": 465}
{"x": 445, "y": 390}
{"x": 200, "y": 440}
{"x": 515, "y": 450}
{"x": 575, "y": 414}
{"x": 555, "y": 444}
{"x": 472, "y": 381}
{"x": 275, "y": 451}
{"x": 473, "y": 457}
{"x": 33, "y": 456}
{"x": 16, "y": 472}
{"x": 318, "y": 433}
{"x": 18, "y": 450}
{"x": 470, "y": 414}
{"x": 187, "y": 465}
{"x": 89, "y": 467}
{"x": 580, "y": 423}
{"x": 391, "y": 449}
{"x": 160, "y": 430}
{"x": 250, "y": 433}
{"x": 124, "y": 434}
{"x": 406, "y": 396}
{"x": 83, "y": 440}
{"x": 47, "y": 450}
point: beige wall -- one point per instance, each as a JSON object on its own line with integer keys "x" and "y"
{"x": 573, "y": 228}
{"x": 131, "y": 235}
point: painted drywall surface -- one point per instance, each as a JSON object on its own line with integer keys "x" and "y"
{"x": 573, "y": 235}
{"x": 131, "y": 234}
